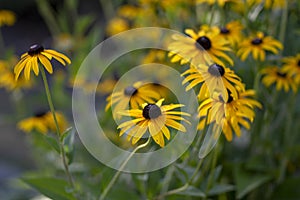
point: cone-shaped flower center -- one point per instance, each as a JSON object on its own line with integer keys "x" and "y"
{"x": 204, "y": 42}
{"x": 283, "y": 75}
{"x": 40, "y": 113}
{"x": 216, "y": 70}
{"x": 230, "y": 99}
{"x": 129, "y": 91}
{"x": 35, "y": 49}
{"x": 151, "y": 111}
{"x": 298, "y": 63}
{"x": 224, "y": 30}
{"x": 256, "y": 41}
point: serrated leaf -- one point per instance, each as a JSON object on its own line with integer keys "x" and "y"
{"x": 192, "y": 191}
{"x": 53, "y": 188}
{"x": 220, "y": 189}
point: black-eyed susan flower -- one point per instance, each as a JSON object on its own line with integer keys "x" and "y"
{"x": 204, "y": 47}
{"x": 7, "y": 17}
{"x": 229, "y": 114}
{"x": 270, "y": 4}
{"x": 36, "y": 53}
{"x": 42, "y": 122}
{"x": 257, "y": 45}
{"x": 282, "y": 80}
{"x": 232, "y": 32}
{"x": 134, "y": 95}
{"x": 213, "y": 78}
{"x": 7, "y": 77}
{"x": 292, "y": 67}
{"x": 156, "y": 118}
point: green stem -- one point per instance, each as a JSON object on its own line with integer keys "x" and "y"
{"x": 283, "y": 23}
{"x": 214, "y": 163}
{"x": 58, "y": 133}
{"x": 116, "y": 176}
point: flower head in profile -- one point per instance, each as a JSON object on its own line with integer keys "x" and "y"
{"x": 229, "y": 114}
{"x": 202, "y": 47}
{"x": 134, "y": 95}
{"x": 282, "y": 80}
{"x": 7, "y": 17}
{"x": 43, "y": 122}
{"x": 213, "y": 78}
{"x": 258, "y": 45}
{"x": 154, "y": 117}
{"x": 292, "y": 67}
{"x": 36, "y": 53}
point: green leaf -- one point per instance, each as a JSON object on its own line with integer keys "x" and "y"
{"x": 220, "y": 189}
{"x": 288, "y": 189}
{"x": 247, "y": 182}
{"x": 68, "y": 142}
{"x": 53, "y": 188}
{"x": 83, "y": 23}
{"x": 192, "y": 191}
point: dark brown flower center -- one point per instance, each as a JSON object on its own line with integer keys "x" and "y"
{"x": 283, "y": 75}
{"x": 204, "y": 42}
{"x": 35, "y": 49}
{"x": 151, "y": 111}
{"x": 256, "y": 41}
{"x": 224, "y": 30}
{"x": 230, "y": 99}
{"x": 130, "y": 91}
{"x": 298, "y": 64}
{"x": 216, "y": 70}
{"x": 40, "y": 113}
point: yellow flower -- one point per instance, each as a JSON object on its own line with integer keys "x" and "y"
{"x": 213, "y": 78}
{"x": 43, "y": 122}
{"x": 155, "y": 118}
{"x": 201, "y": 48}
{"x": 270, "y": 4}
{"x": 292, "y": 67}
{"x": 232, "y": 32}
{"x": 29, "y": 61}
{"x": 219, "y": 2}
{"x": 257, "y": 45}
{"x": 107, "y": 86}
{"x": 7, "y": 77}
{"x": 230, "y": 114}
{"x": 129, "y": 11}
{"x": 7, "y": 17}
{"x": 135, "y": 95}
{"x": 276, "y": 75}
{"x": 117, "y": 25}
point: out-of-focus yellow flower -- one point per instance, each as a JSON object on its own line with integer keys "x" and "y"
{"x": 7, "y": 77}
{"x": 43, "y": 122}
{"x": 64, "y": 42}
{"x": 154, "y": 56}
{"x": 219, "y": 2}
{"x": 292, "y": 67}
{"x": 282, "y": 80}
{"x": 106, "y": 86}
{"x": 129, "y": 11}
{"x": 258, "y": 45}
{"x": 232, "y": 32}
{"x": 153, "y": 117}
{"x": 270, "y": 4}
{"x": 117, "y": 25}
{"x": 36, "y": 53}
{"x": 7, "y": 17}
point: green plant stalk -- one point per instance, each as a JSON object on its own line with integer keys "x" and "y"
{"x": 213, "y": 166}
{"x": 283, "y": 23}
{"x": 58, "y": 133}
{"x": 48, "y": 15}
{"x": 116, "y": 176}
